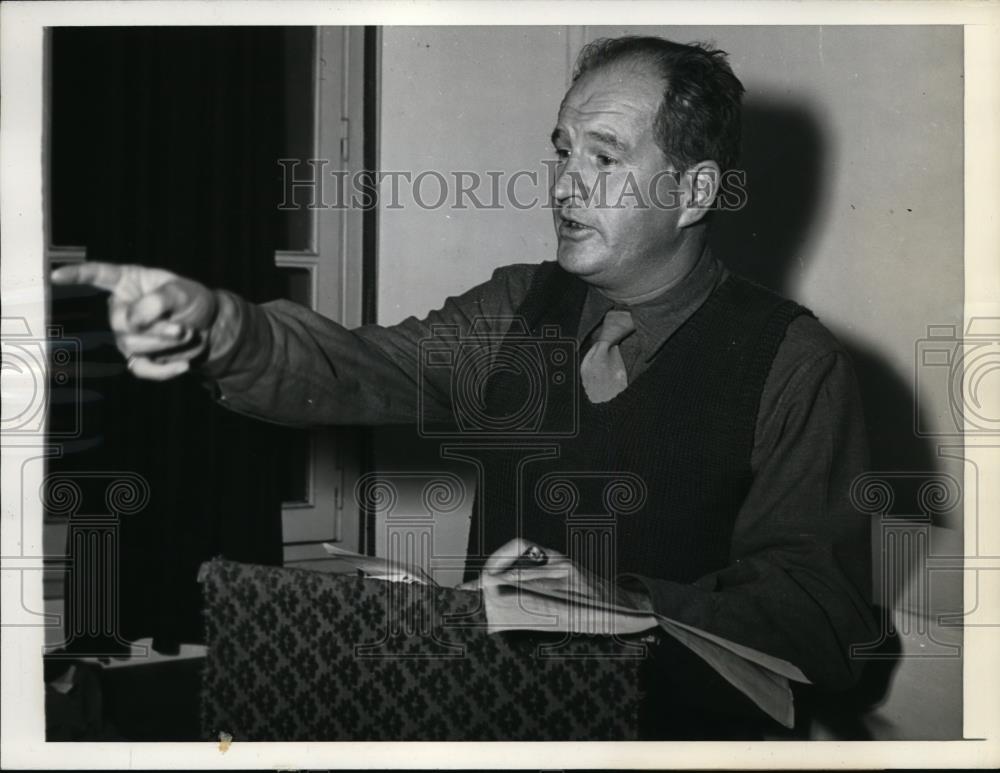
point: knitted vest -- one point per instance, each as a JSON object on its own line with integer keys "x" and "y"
{"x": 652, "y": 480}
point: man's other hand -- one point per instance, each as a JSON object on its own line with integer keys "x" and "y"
{"x": 520, "y": 562}
{"x": 161, "y": 321}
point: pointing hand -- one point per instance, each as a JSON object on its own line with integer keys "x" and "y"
{"x": 161, "y": 321}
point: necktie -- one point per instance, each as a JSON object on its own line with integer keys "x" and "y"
{"x": 603, "y": 369}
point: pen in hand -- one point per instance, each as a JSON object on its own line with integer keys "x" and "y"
{"x": 532, "y": 558}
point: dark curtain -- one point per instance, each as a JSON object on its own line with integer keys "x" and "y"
{"x": 176, "y": 132}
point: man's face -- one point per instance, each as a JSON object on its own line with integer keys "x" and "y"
{"x": 612, "y": 232}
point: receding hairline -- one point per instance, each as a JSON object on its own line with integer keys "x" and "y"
{"x": 628, "y": 62}
{"x": 641, "y": 63}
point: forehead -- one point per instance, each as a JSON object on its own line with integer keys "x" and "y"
{"x": 621, "y": 97}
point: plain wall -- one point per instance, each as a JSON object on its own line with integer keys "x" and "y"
{"x": 462, "y": 99}
{"x": 853, "y": 146}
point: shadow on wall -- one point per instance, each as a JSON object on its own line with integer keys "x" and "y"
{"x": 784, "y": 156}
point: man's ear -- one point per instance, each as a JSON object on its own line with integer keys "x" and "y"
{"x": 702, "y": 182}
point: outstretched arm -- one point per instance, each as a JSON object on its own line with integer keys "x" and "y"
{"x": 282, "y": 362}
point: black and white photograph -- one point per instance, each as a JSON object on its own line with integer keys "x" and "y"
{"x": 469, "y": 372}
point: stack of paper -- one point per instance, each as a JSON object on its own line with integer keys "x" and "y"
{"x": 528, "y": 605}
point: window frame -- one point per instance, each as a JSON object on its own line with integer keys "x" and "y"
{"x": 335, "y": 264}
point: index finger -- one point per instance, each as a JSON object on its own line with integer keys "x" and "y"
{"x": 105, "y": 276}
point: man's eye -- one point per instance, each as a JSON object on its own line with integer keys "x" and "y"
{"x": 605, "y": 160}
{"x": 562, "y": 153}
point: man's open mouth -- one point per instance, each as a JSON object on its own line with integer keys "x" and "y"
{"x": 569, "y": 226}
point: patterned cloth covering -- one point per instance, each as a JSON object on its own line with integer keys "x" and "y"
{"x": 296, "y": 655}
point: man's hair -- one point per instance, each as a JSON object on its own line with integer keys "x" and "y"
{"x": 699, "y": 115}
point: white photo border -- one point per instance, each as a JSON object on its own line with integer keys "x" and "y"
{"x": 24, "y": 294}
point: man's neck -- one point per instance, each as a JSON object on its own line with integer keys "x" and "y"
{"x": 667, "y": 275}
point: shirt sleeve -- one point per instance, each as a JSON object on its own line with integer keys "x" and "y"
{"x": 286, "y": 364}
{"x": 799, "y": 583}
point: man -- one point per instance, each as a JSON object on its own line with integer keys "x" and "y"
{"x": 734, "y": 409}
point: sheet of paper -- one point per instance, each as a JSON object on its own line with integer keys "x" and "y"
{"x": 509, "y": 608}
{"x": 377, "y": 568}
{"x": 766, "y": 688}
{"x": 770, "y": 662}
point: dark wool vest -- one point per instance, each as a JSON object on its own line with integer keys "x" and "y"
{"x": 652, "y": 480}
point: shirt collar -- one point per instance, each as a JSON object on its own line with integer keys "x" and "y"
{"x": 656, "y": 319}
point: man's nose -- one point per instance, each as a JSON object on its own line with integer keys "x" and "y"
{"x": 570, "y": 184}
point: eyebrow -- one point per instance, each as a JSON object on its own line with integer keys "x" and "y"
{"x": 606, "y": 138}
